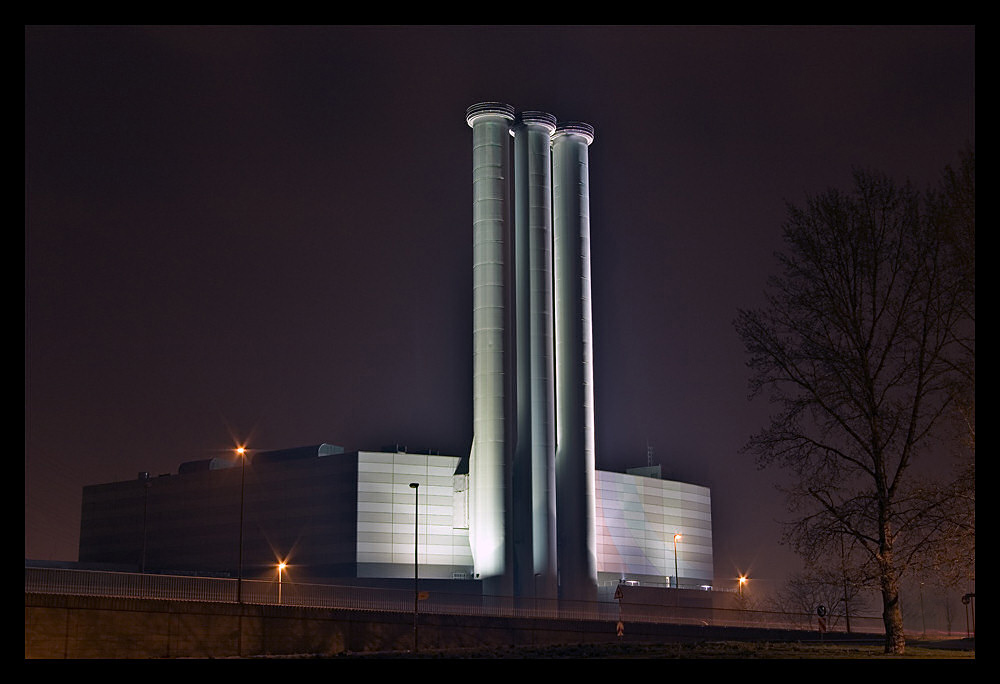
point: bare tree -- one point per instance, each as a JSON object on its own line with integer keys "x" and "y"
{"x": 823, "y": 585}
{"x": 862, "y": 345}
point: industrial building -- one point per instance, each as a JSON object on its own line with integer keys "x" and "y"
{"x": 525, "y": 513}
{"x": 346, "y": 516}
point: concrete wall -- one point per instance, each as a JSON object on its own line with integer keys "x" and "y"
{"x": 87, "y": 627}
{"x": 76, "y": 627}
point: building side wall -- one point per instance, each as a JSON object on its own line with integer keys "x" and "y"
{"x": 302, "y": 511}
{"x": 111, "y": 523}
{"x": 385, "y": 513}
{"x": 637, "y": 518}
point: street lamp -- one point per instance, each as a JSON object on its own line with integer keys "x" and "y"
{"x": 743, "y": 580}
{"x": 415, "y": 486}
{"x": 281, "y": 566}
{"x": 241, "y": 451}
{"x": 677, "y": 576}
{"x": 145, "y": 509}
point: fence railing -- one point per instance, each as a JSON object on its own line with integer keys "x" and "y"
{"x": 259, "y": 592}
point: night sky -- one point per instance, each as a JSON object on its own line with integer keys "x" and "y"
{"x": 265, "y": 234}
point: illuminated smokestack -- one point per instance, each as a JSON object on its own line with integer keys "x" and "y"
{"x": 532, "y": 470}
{"x": 533, "y": 473}
{"x": 488, "y": 472}
{"x": 575, "y": 436}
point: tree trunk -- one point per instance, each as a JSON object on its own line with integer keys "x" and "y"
{"x": 892, "y": 615}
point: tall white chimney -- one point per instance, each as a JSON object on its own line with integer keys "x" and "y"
{"x": 534, "y": 455}
{"x": 574, "y": 358}
{"x": 488, "y": 469}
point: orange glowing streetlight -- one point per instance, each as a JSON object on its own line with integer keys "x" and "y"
{"x": 281, "y": 566}
{"x": 742, "y": 580}
{"x": 241, "y": 451}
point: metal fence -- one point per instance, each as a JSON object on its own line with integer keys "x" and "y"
{"x": 258, "y": 592}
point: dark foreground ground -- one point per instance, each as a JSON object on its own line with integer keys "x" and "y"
{"x": 728, "y": 650}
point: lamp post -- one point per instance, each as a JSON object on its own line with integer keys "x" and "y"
{"x": 677, "y": 576}
{"x": 415, "y": 486}
{"x": 743, "y": 580}
{"x": 145, "y": 509}
{"x": 281, "y": 566}
{"x": 241, "y": 451}
{"x": 922, "y": 620}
